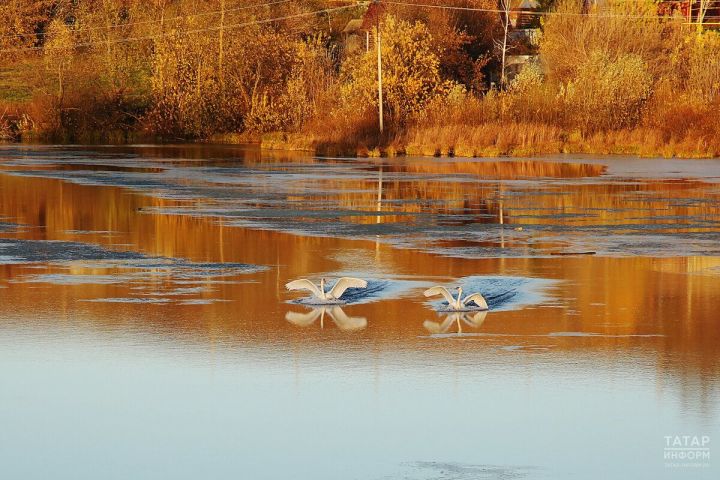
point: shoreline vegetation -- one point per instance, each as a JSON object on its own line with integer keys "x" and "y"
{"x": 623, "y": 78}
{"x": 491, "y": 141}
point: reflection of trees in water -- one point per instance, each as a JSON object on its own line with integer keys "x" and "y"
{"x": 542, "y": 197}
{"x": 676, "y": 297}
{"x": 335, "y": 313}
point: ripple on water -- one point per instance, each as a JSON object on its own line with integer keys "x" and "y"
{"x": 376, "y": 289}
{"x": 500, "y": 292}
{"x": 459, "y": 471}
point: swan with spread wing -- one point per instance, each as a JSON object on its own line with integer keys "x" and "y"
{"x": 459, "y": 304}
{"x": 330, "y": 297}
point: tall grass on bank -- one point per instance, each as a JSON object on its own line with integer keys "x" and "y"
{"x": 617, "y": 78}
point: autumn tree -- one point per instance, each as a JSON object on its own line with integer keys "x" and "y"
{"x": 411, "y": 72}
{"x": 23, "y": 23}
{"x": 58, "y": 55}
{"x": 570, "y": 37}
{"x": 462, "y": 38}
{"x": 620, "y": 87}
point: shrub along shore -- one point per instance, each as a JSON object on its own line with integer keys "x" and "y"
{"x": 622, "y": 78}
{"x": 499, "y": 140}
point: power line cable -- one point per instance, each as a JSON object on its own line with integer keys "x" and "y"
{"x": 145, "y": 22}
{"x": 188, "y": 32}
{"x": 546, "y": 14}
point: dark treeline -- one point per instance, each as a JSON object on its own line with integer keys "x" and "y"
{"x": 303, "y": 73}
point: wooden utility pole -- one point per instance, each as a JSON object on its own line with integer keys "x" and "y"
{"x": 159, "y": 69}
{"x": 505, "y": 7}
{"x": 378, "y": 41}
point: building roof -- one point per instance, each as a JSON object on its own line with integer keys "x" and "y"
{"x": 519, "y": 59}
{"x": 369, "y": 20}
{"x": 355, "y": 25}
{"x": 529, "y": 5}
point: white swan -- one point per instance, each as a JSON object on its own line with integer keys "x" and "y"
{"x": 332, "y": 296}
{"x": 337, "y": 314}
{"x": 458, "y": 304}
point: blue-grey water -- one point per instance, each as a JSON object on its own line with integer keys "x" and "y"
{"x": 145, "y": 331}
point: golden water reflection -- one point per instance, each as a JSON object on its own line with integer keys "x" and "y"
{"x": 663, "y": 307}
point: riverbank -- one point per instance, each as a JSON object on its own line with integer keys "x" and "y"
{"x": 487, "y": 141}
{"x": 497, "y": 140}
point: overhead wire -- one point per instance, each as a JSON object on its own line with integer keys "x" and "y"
{"x": 299, "y": 15}
{"x": 181, "y": 33}
{"x": 538, "y": 13}
{"x": 147, "y": 22}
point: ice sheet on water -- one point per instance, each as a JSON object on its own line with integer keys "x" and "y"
{"x": 458, "y": 471}
{"x": 90, "y": 255}
{"x": 74, "y": 279}
{"x": 8, "y": 227}
{"x": 129, "y": 300}
{"x": 330, "y": 198}
{"x": 603, "y": 335}
{"x": 32, "y": 251}
{"x": 151, "y": 279}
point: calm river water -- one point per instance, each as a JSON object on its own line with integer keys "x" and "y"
{"x": 145, "y": 331}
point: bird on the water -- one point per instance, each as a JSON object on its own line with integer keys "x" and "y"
{"x": 459, "y": 304}
{"x": 331, "y": 296}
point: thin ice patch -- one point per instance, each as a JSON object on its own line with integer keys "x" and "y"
{"x": 7, "y": 227}
{"x": 129, "y": 300}
{"x": 93, "y": 256}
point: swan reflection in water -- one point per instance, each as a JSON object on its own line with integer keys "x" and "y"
{"x": 336, "y": 314}
{"x": 472, "y": 319}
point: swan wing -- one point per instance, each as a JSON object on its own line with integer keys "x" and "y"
{"x": 344, "y": 322}
{"x": 304, "y": 284}
{"x": 344, "y": 283}
{"x": 303, "y": 319}
{"x": 439, "y": 290}
{"x": 477, "y": 299}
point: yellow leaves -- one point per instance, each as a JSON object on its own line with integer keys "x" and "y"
{"x": 58, "y": 40}
{"x": 411, "y": 71}
{"x": 58, "y": 53}
{"x": 19, "y": 20}
{"x": 704, "y": 66}
{"x": 530, "y": 78}
{"x": 608, "y": 94}
{"x": 569, "y": 38}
